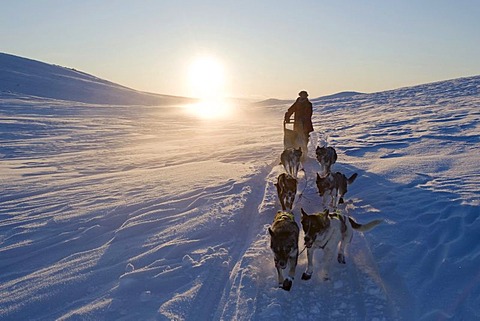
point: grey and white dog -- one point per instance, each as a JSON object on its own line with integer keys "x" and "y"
{"x": 326, "y": 156}
{"x": 329, "y": 232}
{"x": 284, "y": 234}
{"x": 290, "y": 159}
{"x": 335, "y": 186}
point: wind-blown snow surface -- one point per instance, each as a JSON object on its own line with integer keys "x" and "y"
{"x": 148, "y": 213}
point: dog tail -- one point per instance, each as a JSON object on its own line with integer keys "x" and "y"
{"x": 364, "y": 227}
{"x": 352, "y": 178}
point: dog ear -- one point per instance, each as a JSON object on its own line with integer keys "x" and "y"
{"x": 303, "y": 212}
{"x": 324, "y": 216}
{"x": 270, "y": 231}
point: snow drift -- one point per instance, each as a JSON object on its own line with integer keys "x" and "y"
{"x": 148, "y": 213}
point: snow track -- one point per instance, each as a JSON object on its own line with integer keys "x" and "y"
{"x": 145, "y": 213}
{"x": 355, "y": 292}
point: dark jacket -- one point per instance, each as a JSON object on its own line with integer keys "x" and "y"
{"x": 303, "y": 115}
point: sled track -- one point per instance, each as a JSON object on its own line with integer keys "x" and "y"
{"x": 248, "y": 231}
{"x": 356, "y": 290}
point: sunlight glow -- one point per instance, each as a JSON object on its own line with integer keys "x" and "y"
{"x": 206, "y": 78}
{"x": 207, "y": 81}
{"x": 211, "y": 109}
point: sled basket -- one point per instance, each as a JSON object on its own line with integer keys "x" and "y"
{"x": 289, "y": 136}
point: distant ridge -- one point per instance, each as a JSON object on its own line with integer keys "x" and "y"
{"x": 343, "y": 94}
{"x": 274, "y": 101}
{"x": 451, "y": 88}
{"x": 30, "y": 77}
{"x": 457, "y": 87}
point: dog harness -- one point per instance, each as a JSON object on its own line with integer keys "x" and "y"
{"x": 328, "y": 240}
{"x": 343, "y": 219}
{"x": 284, "y": 216}
{"x": 343, "y": 229}
{"x": 338, "y": 215}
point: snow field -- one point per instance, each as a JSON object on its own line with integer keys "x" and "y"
{"x": 135, "y": 212}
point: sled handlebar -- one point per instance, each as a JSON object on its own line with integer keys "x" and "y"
{"x": 285, "y": 123}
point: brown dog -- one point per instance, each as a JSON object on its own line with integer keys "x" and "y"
{"x": 284, "y": 234}
{"x": 286, "y": 189}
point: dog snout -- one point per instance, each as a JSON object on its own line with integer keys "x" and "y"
{"x": 280, "y": 264}
{"x": 308, "y": 241}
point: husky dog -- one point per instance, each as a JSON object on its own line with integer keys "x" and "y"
{"x": 290, "y": 159}
{"x": 286, "y": 189}
{"x": 329, "y": 232}
{"x": 335, "y": 185}
{"x": 284, "y": 244}
{"x": 326, "y": 156}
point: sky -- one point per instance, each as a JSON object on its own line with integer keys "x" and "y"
{"x": 264, "y": 49}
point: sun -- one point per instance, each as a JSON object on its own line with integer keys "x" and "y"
{"x": 207, "y": 82}
{"x": 206, "y": 77}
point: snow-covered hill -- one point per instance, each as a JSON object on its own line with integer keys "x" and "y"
{"x": 30, "y": 77}
{"x": 337, "y": 96}
{"x": 148, "y": 213}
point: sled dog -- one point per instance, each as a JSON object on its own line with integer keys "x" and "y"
{"x": 290, "y": 159}
{"x": 286, "y": 189}
{"x": 284, "y": 244}
{"x": 326, "y": 156}
{"x": 335, "y": 186}
{"x": 329, "y": 232}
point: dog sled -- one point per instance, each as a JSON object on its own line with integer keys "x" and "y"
{"x": 294, "y": 138}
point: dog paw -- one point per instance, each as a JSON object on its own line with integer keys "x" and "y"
{"x": 287, "y": 285}
{"x": 306, "y": 276}
{"x": 341, "y": 258}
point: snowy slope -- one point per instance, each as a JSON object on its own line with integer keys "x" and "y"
{"x": 30, "y": 77}
{"x": 148, "y": 213}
